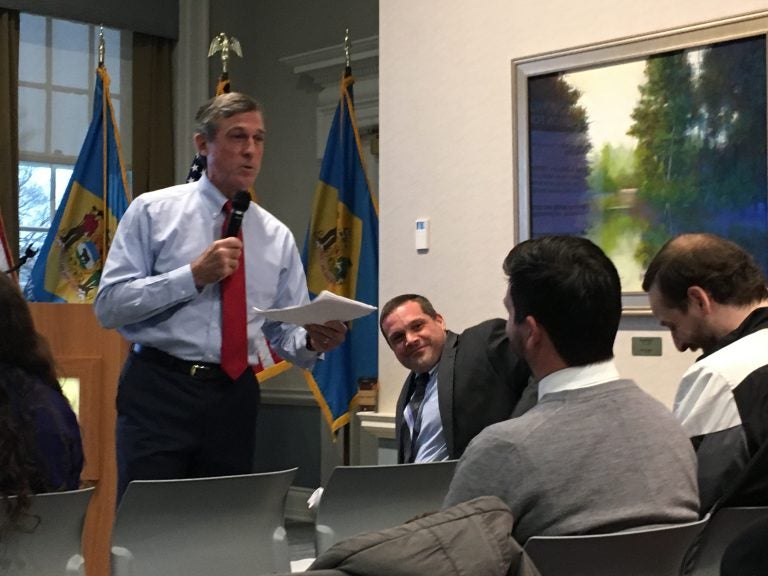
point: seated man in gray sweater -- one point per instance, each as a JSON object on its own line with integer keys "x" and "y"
{"x": 597, "y": 454}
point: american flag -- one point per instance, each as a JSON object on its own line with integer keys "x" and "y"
{"x": 197, "y": 168}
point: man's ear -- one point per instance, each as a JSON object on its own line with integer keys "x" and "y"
{"x": 201, "y": 144}
{"x": 532, "y": 332}
{"x": 699, "y": 299}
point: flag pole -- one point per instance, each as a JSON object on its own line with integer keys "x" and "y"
{"x": 101, "y": 46}
{"x": 347, "y": 51}
{"x": 105, "y": 144}
{"x": 347, "y": 448}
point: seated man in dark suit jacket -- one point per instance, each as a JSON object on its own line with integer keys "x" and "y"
{"x": 459, "y": 383}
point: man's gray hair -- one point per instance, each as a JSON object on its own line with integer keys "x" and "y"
{"x": 222, "y": 106}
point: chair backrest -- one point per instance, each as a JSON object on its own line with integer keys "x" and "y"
{"x": 367, "y": 498}
{"x": 724, "y": 525}
{"x": 653, "y": 551}
{"x": 230, "y": 525}
{"x": 49, "y": 538}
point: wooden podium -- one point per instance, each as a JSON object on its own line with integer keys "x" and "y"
{"x": 86, "y": 351}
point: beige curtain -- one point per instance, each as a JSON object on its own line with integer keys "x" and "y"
{"x": 9, "y": 126}
{"x": 152, "y": 114}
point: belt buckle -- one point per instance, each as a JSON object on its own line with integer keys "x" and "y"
{"x": 195, "y": 368}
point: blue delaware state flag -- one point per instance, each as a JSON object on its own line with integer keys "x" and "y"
{"x": 341, "y": 255}
{"x": 68, "y": 267}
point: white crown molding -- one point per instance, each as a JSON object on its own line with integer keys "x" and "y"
{"x": 325, "y": 66}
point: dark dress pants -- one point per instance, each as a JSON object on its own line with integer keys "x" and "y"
{"x": 171, "y": 424}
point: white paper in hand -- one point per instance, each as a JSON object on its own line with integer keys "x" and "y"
{"x": 326, "y": 307}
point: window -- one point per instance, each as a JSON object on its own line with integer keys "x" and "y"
{"x": 57, "y": 63}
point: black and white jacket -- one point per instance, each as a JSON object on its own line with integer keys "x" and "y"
{"x": 722, "y": 403}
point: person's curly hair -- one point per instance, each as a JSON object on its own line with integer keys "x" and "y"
{"x": 25, "y": 360}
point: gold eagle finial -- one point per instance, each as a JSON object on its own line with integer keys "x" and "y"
{"x": 225, "y": 44}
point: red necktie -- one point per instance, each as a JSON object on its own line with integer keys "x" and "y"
{"x": 234, "y": 332}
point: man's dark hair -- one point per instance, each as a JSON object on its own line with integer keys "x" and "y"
{"x": 223, "y": 106}
{"x": 397, "y": 301}
{"x": 727, "y": 272}
{"x": 572, "y": 289}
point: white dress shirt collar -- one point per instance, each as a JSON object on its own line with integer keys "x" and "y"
{"x": 576, "y": 377}
{"x": 212, "y": 197}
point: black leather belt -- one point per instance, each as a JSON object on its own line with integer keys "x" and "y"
{"x": 189, "y": 367}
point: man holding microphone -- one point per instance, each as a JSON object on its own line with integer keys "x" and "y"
{"x": 186, "y": 265}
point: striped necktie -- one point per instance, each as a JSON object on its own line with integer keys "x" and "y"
{"x": 417, "y": 398}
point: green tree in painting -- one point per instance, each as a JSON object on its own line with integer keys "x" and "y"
{"x": 665, "y": 120}
{"x": 732, "y": 95}
{"x": 701, "y": 153}
{"x": 612, "y": 169}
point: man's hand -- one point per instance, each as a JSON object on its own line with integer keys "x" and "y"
{"x": 325, "y": 337}
{"x": 218, "y": 261}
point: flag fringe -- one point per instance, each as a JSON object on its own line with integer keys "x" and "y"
{"x": 272, "y": 371}
{"x": 339, "y": 422}
{"x": 346, "y": 82}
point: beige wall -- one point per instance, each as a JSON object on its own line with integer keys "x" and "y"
{"x": 446, "y": 148}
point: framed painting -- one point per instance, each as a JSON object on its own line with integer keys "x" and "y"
{"x": 633, "y": 142}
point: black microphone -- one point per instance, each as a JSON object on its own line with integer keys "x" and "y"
{"x": 240, "y": 204}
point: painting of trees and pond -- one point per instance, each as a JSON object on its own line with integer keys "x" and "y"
{"x": 634, "y": 153}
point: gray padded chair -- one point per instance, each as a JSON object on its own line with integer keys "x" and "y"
{"x": 49, "y": 539}
{"x": 652, "y": 551}
{"x": 231, "y": 525}
{"x": 367, "y": 498}
{"x": 724, "y": 525}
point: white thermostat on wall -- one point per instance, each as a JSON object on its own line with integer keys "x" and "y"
{"x": 422, "y": 234}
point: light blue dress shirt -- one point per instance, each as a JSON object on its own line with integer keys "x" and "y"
{"x": 430, "y": 443}
{"x": 147, "y": 291}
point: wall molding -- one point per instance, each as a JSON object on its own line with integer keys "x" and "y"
{"x": 324, "y": 68}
